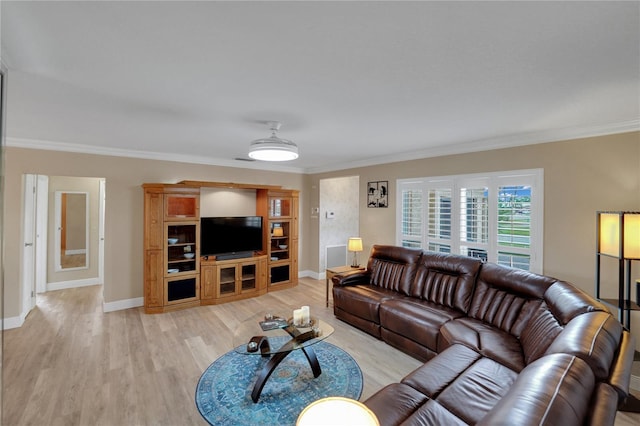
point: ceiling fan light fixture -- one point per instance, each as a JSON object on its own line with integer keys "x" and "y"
{"x": 273, "y": 148}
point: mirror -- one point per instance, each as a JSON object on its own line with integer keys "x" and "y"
{"x": 72, "y": 230}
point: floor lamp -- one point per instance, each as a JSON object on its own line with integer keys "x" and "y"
{"x": 618, "y": 237}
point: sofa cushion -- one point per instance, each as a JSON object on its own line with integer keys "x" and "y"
{"x": 477, "y": 390}
{"x": 393, "y": 268}
{"x": 459, "y": 386}
{"x": 435, "y": 375}
{"x": 446, "y": 279}
{"x": 432, "y": 413}
{"x": 416, "y": 320}
{"x": 488, "y": 340}
{"x": 362, "y": 301}
{"x": 394, "y": 403}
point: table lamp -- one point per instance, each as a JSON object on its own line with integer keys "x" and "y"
{"x": 336, "y": 411}
{"x": 278, "y": 232}
{"x": 355, "y": 245}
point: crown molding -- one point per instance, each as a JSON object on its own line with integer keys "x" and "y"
{"x": 146, "y": 155}
{"x": 508, "y": 141}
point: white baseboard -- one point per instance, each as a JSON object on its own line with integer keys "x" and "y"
{"x": 78, "y": 251}
{"x": 12, "y": 322}
{"x": 310, "y": 274}
{"x": 73, "y": 284}
{"x": 120, "y": 305}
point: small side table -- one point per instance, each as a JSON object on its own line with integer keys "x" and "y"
{"x": 330, "y": 272}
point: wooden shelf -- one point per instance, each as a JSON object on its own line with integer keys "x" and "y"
{"x": 627, "y": 304}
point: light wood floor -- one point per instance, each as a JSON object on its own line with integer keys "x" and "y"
{"x": 72, "y": 364}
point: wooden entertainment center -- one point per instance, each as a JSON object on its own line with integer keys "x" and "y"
{"x": 176, "y": 276}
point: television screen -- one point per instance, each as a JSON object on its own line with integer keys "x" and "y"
{"x": 219, "y": 235}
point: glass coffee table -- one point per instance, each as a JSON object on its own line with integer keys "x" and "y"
{"x": 275, "y": 337}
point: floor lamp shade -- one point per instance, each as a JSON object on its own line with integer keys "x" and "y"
{"x": 619, "y": 234}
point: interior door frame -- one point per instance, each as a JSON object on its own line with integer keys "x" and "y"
{"x": 29, "y": 263}
{"x": 42, "y": 216}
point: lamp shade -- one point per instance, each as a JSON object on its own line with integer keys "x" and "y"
{"x": 336, "y": 411}
{"x": 273, "y": 148}
{"x": 619, "y": 234}
{"x": 354, "y": 244}
{"x": 278, "y": 232}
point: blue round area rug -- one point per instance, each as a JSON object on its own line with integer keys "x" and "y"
{"x": 223, "y": 395}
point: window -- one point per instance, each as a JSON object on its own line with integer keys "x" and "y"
{"x": 411, "y": 216}
{"x": 496, "y": 217}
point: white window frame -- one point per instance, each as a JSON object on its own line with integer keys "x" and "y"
{"x": 529, "y": 177}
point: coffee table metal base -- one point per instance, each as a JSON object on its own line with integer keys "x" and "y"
{"x": 282, "y": 353}
{"x": 274, "y": 362}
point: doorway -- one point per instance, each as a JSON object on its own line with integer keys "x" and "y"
{"x": 41, "y": 268}
{"x": 339, "y": 217}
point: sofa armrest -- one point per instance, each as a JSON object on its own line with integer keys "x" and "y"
{"x": 592, "y": 336}
{"x": 620, "y": 376}
{"x": 554, "y": 389}
{"x": 351, "y": 278}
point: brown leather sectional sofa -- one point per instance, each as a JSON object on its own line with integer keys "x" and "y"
{"x": 501, "y": 345}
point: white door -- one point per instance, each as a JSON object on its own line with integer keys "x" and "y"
{"x": 42, "y": 215}
{"x": 29, "y": 242}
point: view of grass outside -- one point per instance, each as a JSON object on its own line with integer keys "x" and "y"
{"x": 514, "y": 216}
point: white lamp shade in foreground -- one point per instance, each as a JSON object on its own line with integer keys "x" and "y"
{"x": 337, "y": 411}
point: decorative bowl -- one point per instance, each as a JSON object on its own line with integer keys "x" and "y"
{"x": 172, "y": 240}
{"x": 173, "y": 270}
{"x": 189, "y": 255}
{"x": 283, "y": 246}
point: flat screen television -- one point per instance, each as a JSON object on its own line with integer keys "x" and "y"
{"x": 230, "y": 235}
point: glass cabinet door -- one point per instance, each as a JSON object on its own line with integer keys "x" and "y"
{"x": 279, "y": 207}
{"x": 280, "y": 239}
{"x": 182, "y": 248}
{"x": 227, "y": 280}
{"x": 248, "y": 276}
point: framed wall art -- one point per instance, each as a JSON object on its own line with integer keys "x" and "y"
{"x": 378, "y": 194}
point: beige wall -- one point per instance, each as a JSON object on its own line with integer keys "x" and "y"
{"x": 581, "y": 177}
{"x": 123, "y": 208}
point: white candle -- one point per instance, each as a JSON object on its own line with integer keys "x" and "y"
{"x": 306, "y": 316}
{"x": 297, "y": 317}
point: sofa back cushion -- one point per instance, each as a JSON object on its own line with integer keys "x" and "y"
{"x": 541, "y": 329}
{"x": 562, "y": 303}
{"x": 393, "y": 268}
{"x": 446, "y": 279}
{"x": 507, "y": 298}
{"x": 537, "y": 309}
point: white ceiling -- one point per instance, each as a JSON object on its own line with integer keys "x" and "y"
{"x": 354, "y": 83}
